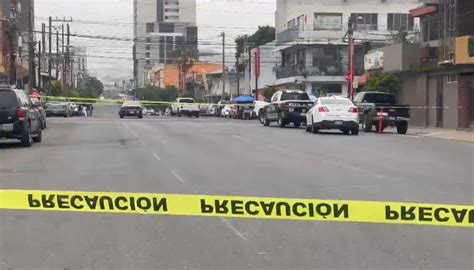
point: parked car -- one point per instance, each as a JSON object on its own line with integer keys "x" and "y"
{"x": 226, "y": 112}
{"x": 333, "y": 113}
{"x": 258, "y": 109}
{"x": 287, "y": 106}
{"x": 131, "y": 108}
{"x": 58, "y": 109}
{"x": 185, "y": 106}
{"x": 19, "y": 119}
{"x": 212, "y": 110}
{"x": 41, "y": 108}
{"x": 376, "y": 106}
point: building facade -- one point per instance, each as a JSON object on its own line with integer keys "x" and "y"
{"x": 311, "y": 39}
{"x": 161, "y": 27}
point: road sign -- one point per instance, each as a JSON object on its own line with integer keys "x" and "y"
{"x": 348, "y": 76}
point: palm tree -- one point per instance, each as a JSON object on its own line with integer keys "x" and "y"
{"x": 184, "y": 57}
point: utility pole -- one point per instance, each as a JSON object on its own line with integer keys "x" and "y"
{"x": 31, "y": 52}
{"x": 351, "y": 59}
{"x": 57, "y": 54}
{"x": 238, "y": 76}
{"x": 63, "y": 62}
{"x": 50, "y": 47}
{"x": 223, "y": 66}
{"x": 39, "y": 63}
{"x": 68, "y": 61}
{"x": 257, "y": 70}
{"x": 12, "y": 34}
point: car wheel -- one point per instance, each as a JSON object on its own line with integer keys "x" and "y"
{"x": 308, "y": 128}
{"x": 355, "y": 131}
{"x": 140, "y": 116}
{"x": 281, "y": 121}
{"x": 39, "y": 136}
{"x": 26, "y": 139}
{"x": 402, "y": 127}
{"x": 345, "y": 131}
{"x": 197, "y": 115}
{"x": 121, "y": 116}
{"x": 260, "y": 115}
{"x": 314, "y": 129}
{"x": 266, "y": 121}
{"x": 367, "y": 124}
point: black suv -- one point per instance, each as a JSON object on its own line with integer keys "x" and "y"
{"x": 19, "y": 118}
{"x": 131, "y": 108}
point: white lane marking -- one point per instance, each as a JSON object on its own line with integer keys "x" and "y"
{"x": 276, "y": 148}
{"x": 238, "y": 137}
{"x": 239, "y": 234}
{"x": 177, "y": 176}
{"x": 131, "y": 130}
{"x": 156, "y": 156}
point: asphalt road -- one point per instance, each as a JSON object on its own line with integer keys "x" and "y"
{"x": 231, "y": 157}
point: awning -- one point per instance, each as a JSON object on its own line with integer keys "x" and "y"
{"x": 423, "y": 11}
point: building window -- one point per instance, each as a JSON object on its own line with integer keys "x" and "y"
{"x": 430, "y": 29}
{"x": 150, "y": 27}
{"x": 147, "y": 55}
{"x": 148, "y": 62}
{"x": 300, "y": 22}
{"x": 148, "y": 39}
{"x": 327, "y": 21}
{"x": 365, "y": 21}
{"x": 147, "y": 47}
{"x": 292, "y": 24}
{"x": 452, "y": 78}
{"x": 397, "y": 21}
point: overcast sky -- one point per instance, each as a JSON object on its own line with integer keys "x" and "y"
{"x": 114, "y": 18}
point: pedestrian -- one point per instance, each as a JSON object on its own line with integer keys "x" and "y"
{"x": 84, "y": 111}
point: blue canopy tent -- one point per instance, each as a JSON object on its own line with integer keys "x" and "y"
{"x": 243, "y": 99}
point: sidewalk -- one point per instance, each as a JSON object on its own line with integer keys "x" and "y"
{"x": 441, "y": 133}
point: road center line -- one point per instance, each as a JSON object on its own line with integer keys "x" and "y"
{"x": 239, "y": 234}
{"x": 238, "y": 137}
{"x": 156, "y": 156}
{"x": 177, "y": 176}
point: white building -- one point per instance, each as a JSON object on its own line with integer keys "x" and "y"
{"x": 266, "y": 58}
{"x": 310, "y": 35}
{"x": 160, "y": 26}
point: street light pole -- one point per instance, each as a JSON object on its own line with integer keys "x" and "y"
{"x": 223, "y": 65}
{"x": 351, "y": 60}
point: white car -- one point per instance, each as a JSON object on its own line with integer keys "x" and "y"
{"x": 259, "y": 109}
{"x": 226, "y": 111}
{"x": 333, "y": 113}
{"x": 185, "y": 106}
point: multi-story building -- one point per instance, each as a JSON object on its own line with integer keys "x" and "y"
{"x": 310, "y": 38}
{"x": 160, "y": 27}
{"x": 3, "y": 43}
{"x": 78, "y": 72}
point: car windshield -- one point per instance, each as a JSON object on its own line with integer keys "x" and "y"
{"x": 379, "y": 98}
{"x": 294, "y": 96}
{"x": 233, "y": 134}
{"x": 8, "y": 99}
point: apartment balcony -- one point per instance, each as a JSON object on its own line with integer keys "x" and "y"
{"x": 300, "y": 71}
{"x": 331, "y": 36}
{"x": 464, "y": 51}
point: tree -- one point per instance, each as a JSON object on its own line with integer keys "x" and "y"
{"x": 55, "y": 88}
{"x": 268, "y": 92}
{"x": 471, "y": 46}
{"x": 154, "y": 93}
{"x": 184, "y": 57}
{"x": 93, "y": 88}
{"x": 383, "y": 82}
{"x": 401, "y": 36}
{"x": 264, "y": 34}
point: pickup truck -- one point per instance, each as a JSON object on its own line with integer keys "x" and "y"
{"x": 185, "y": 106}
{"x": 287, "y": 106}
{"x": 373, "y": 106}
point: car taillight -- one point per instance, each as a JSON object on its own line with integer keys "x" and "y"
{"x": 20, "y": 113}
{"x": 323, "y": 109}
{"x": 353, "y": 110}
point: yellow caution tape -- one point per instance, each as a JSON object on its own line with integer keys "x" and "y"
{"x": 93, "y": 101}
{"x": 240, "y": 207}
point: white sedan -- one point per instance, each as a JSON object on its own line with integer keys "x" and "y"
{"x": 333, "y": 113}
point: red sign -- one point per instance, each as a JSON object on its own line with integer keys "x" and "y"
{"x": 348, "y": 77}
